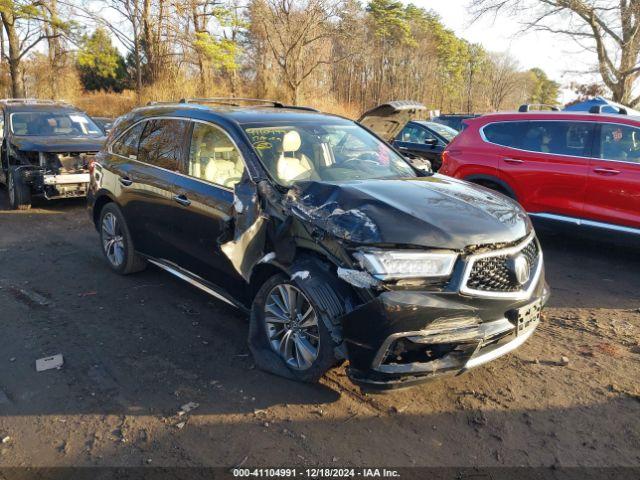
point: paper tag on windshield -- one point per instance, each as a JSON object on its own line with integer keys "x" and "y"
{"x": 78, "y": 119}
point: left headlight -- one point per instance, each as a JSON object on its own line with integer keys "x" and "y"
{"x": 397, "y": 264}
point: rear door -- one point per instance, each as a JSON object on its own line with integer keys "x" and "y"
{"x": 614, "y": 176}
{"x": 205, "y": 189}
{"x": 147, "y": 183}
{"x": 547, "y": 164}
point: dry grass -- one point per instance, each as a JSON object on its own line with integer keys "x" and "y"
{"x": 106, "y": 104}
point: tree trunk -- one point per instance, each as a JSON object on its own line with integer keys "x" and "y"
{"x": 17, "y": 88}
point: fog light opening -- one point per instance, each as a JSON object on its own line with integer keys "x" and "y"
{"x": 403, "y": 351}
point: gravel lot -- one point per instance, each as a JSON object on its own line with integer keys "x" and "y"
{"x": 137, "y": 348}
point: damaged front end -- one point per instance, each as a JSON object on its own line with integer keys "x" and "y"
{"x": 417, "y": 300}
{"x": 54, "y": 175}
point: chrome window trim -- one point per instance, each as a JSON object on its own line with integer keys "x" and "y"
{"x": 518, "y": 295}
{"x": 588, "y": 223}
{"x": 484, "y": 138}
{"x": 185, "y": 119}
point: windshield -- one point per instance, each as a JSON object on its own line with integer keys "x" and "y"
{"x": 443, "y": 130}
{"x": 48, "y": 124}
{"x": 325, "y": 152}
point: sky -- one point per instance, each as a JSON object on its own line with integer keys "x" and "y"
{"x": 558, "y": 56}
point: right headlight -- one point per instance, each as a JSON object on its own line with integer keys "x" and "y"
{"x": 398, "y": 264}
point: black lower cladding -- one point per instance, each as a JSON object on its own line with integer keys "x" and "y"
{"x": 394, "y": 312}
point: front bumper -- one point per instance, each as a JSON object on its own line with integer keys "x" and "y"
{"x": 419, "y": 335}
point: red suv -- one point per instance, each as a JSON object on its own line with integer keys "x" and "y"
{"x": 582, "y": 168}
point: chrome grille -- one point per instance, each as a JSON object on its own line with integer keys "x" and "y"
{"x": 492, "y": 273}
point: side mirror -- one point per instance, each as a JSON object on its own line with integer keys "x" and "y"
{"x": 431, "y": 141}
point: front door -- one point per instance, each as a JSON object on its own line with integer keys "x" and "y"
{"x": 419, "y": 142}
{"x": 213, "y": 167}
{"x": 614, "y": 176}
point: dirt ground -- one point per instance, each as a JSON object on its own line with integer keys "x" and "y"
{"x": 137, "y": 348}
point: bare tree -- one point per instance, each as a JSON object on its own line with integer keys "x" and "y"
{"x": 609, "y": 28}
{"x": 503, "y": 79}
{"x": 299, "y": 36}
{"x": 25, "y": 24}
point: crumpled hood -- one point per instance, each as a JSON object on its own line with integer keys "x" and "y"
{"x": 57, "y": 144}
{"x": 433, "y": 212}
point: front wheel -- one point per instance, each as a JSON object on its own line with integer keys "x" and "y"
{"x": 288, "y": 334}
{"x": 18, "y": 190}
{"x": 117, "y": 245}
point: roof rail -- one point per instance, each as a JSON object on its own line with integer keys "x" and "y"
{"x": 237, "y": 101}
{"x": 33, "y": 101}
{"x": 232, "y": 101}
{"x": 599, "y": 109}
{"x": 527, "y": 107}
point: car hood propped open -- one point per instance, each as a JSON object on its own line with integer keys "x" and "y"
{"x": 432, "y": 212}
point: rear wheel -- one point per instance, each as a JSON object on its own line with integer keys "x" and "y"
{"x": 117, "y": 245}
{"x": 19, "y": 192}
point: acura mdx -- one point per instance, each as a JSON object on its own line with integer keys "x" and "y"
{"x": 334, "y": 244}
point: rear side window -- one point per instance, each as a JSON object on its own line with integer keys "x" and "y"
{"x": 162, "y": 143}
{"x": 619, "y": 142}
{"x": 555, "y": 137}
{"x": 507, "y": 134}
{"x": 127, "y": 144}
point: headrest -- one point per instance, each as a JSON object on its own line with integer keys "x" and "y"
{"x": 291, "y": 141}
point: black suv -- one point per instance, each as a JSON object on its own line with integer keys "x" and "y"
{"x": 333, "y": 243}
{"x": 46, "y": 150}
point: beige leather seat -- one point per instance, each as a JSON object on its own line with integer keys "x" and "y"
{"x": 292, "y": 165}
{"x": 217, "y": 164}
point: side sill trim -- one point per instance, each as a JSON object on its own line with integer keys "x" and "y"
{"x": 196, "y": 281}
{"x": 587, "y": 223}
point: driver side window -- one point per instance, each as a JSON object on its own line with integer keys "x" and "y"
{"x": 213, "y": 157}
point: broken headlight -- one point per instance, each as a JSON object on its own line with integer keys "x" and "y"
{"x": 397, "y": 264}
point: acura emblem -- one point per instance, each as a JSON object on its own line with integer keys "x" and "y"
{"x": 520, "y": 269}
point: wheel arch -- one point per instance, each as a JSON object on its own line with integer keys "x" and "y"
{"x": 493, "y": 183}
{"x": 101, "y": 199}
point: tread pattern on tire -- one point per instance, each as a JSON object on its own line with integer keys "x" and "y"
{"x": 21, "y": 192}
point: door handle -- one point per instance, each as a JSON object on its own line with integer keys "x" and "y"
{"x": 514, "y": 161}
{"x": 182, "y": 200}
{"x": 606, "y": 171}
{"x": 126, "y": 181}
{"x": 403, "y": 148}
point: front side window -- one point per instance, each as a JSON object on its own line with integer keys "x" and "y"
{"x": 444, "y": 131}
{"x": 324, "y": 152}
{"x": 413, "y": 134}
{"x": 127, "y": 144}
{"x": 54, "y": 124}
{"x": 161, "y": 143}
{"x": 619, "y": 142}
{"x": 554, "y": 137}
{"x": 213, "y": 156}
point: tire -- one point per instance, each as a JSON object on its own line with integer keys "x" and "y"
{"x": 294, "y": 362}
{"x": 116, "y": 243}
{"x": 18, "y": 191}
